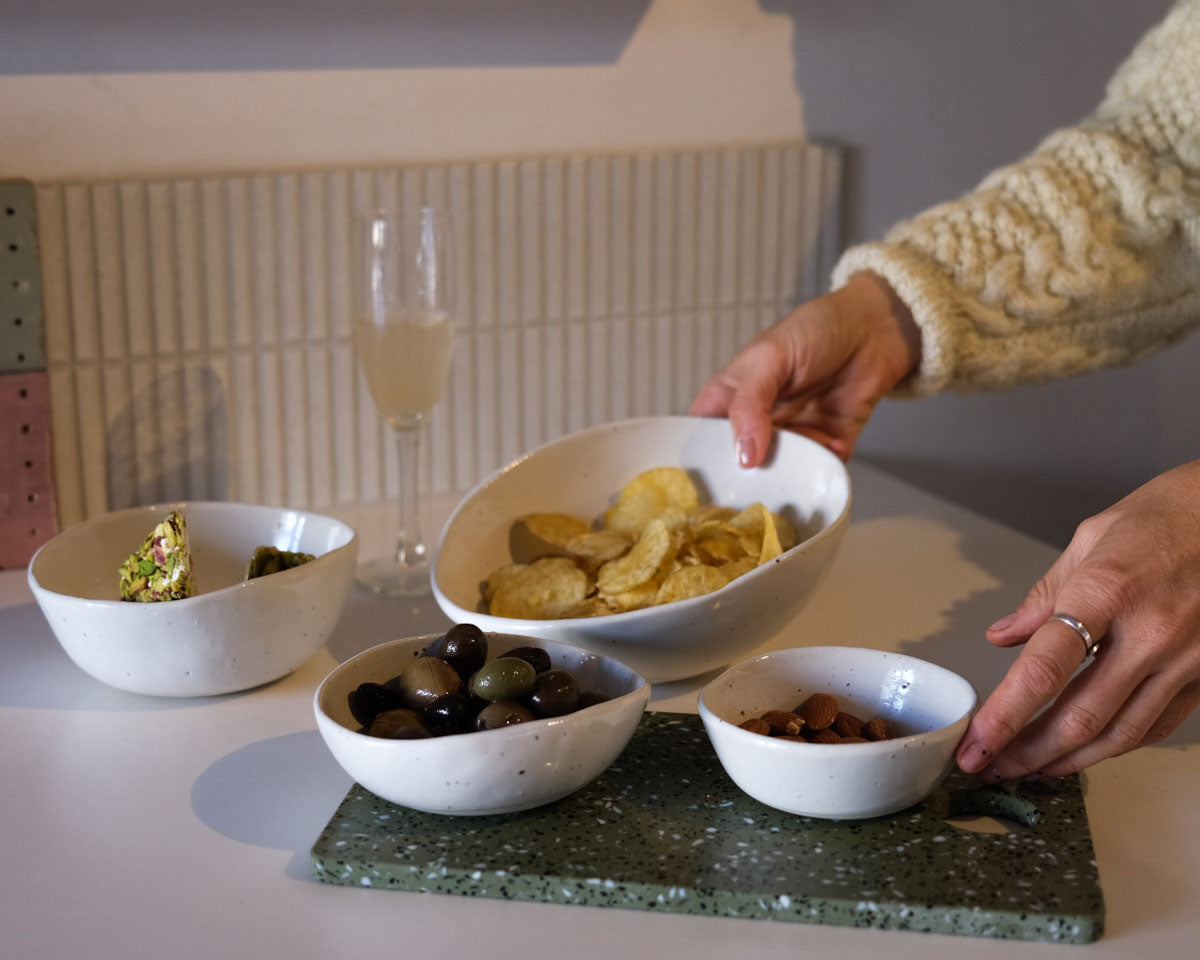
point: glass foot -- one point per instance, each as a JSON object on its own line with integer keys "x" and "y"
{"x": 391, "y": 579}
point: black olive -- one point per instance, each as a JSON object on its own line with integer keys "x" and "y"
{"x": 556, "y": 693}
{"x": 502, "y": 713}
{"x": 589, "y": 698}
{"x": 453, "y": 713}
{"x": 398, "y": 724}
{"x": 426, "y": 679}
{"x": 464, "y": 646}
{"x": 370, "y": 699}
{"x": 536, "y": 657}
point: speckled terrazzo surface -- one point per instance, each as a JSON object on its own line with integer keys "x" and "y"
{"x": 664, "y": 829}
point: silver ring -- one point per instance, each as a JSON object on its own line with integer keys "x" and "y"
{"x": 1090, "y": 647}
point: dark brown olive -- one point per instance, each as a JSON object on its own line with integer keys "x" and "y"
{"x": 369, "y": 699}
{"x": 464, "y": 646}
{"x": 452, "y": 713}
{"x": 426, "y": 679}
{"x": 536, "y": 657}
{"x": 589, "y": 698}
{"x": 556, "y": 693}
{"x": 505, "y": 678}
{"x": 502, "y": 713}
{"x": 398, "y": 724}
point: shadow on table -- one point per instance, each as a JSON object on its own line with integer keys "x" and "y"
{"x": 277, "y": 793}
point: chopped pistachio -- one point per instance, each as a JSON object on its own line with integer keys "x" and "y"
{"x": 162, "y": 568}
{"x": 271, "y": 560}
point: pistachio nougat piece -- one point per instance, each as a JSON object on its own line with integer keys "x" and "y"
{"x": 162, "y": 568}
{"x": 272, "y": 560}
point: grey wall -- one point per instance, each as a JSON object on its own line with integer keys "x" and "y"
{"x": 928, "y": 95}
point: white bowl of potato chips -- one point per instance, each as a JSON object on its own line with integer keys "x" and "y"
{"x": 644, "y": 540}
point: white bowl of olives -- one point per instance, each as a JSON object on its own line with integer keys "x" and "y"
{"x": 473, "y": 723}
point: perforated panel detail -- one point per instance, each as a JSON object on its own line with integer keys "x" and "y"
{"x": 20, "y": 280}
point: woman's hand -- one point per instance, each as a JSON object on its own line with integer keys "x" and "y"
{"x": 1131, "y": 576}
{"x": 818, "y": 371}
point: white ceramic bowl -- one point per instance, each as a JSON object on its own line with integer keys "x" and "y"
{"x": 489, "y": 771}
{"x": 583, "y": 473}
{"x": 930, "y": 705}
{"x": 233, "y": 635}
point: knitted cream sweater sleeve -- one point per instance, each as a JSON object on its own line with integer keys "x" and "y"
{"x": 1084, "y": 254}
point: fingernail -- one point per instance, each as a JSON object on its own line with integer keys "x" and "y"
{"x": 745, "y": 450}
{"x": 973, "y": 757}
{"x": 1004, "y": 622}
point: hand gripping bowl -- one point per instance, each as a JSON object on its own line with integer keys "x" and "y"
{"x": 583, "y": 473}
{"x": 929, "y": 704}
{"x": 490, "y": 771}
{"x": 232, "y": 635}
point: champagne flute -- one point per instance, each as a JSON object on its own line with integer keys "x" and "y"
{"x": 404, "y": 332}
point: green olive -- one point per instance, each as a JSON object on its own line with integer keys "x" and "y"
{"x": 398, "y": 724}
{"x": 426, "y": 679}
{"x": 502, "y": 713}
{"x": 505, "y": 678}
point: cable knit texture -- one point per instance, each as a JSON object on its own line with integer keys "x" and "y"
{"x": 1083, "y": 255}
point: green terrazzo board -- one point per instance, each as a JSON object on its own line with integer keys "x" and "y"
{"x": 665, "y": 829}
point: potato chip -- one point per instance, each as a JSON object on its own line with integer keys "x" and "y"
{"x": 597, "y": 547}
{"x": 721, "y": 546}
{"x": 542, "y": 591}
{"x": 543, "y": 535}
{"x": 738, "y": 567}
{"x": 653, "y": 547}
{"x": 688, "y": 582}
{"x": 647, "y": 496}
{"x": 788, "y": 537}
{"x": 711, "y": 512}
{"x": 499, "y": 576}
{"x": 594, "y": 606}
{"x": 643, "y": 595}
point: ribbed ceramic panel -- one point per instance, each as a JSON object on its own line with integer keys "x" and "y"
{"x": 198, "y": 330}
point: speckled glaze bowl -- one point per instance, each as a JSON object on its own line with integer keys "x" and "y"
{"x": 583, "y": 473}
{"x": 233, "y": 635}
{"x": 929, "y": 704}
{"x": 489, "y": 771}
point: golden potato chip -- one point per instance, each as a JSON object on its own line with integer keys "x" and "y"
{"x": 770, "y": 538}
{"x": 687, "y": 582}
{"x": 543, "y": 535}
{"x": 595, "y": 606}
{"x": 721, "y": 547}
{"x": 738, "y": 567}
{"x": 711, "y": 512}
{"x": 647, "y": 496}
{"x": 499, "y": 576}
{"x": 643, "y": 595}
{"x": 788, "y": 537}
{"x": 542, "y": 591}
{"x": 597, "y": 547}
{"x": 653, "y": 547}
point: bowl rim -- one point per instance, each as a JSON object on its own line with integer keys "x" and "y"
{"x": 632, "y": 616}
{"x": 726, "y": 726}
{"x": 641, "y": 688}
{"x": 167, "y": 505}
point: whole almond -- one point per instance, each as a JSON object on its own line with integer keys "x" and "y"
{"x": 847, "y": 725}
{"x": 824, "y": 736}
{"x": 756, "y": 725}
{"x": 783, "y": 722}
{"x": 879, "y": 728}
{"x": 819, "y": 711}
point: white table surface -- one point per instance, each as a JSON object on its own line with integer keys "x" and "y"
{"x": 137, "y": 827}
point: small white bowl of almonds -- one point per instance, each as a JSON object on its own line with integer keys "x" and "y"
{"x": 841, "y": 733}
{"x": 645, "y": 540}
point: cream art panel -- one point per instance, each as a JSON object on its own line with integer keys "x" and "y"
{"x": 198, "y": 338}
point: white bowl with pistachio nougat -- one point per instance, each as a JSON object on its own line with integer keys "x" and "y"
{"x": 103, "y": 586}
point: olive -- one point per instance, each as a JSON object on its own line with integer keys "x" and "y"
{"x": 399, "y": 724}
{"x": 589, "y": 698}
{"x": 426, "y": 679}
{"x": 463, "y": 646}
{"x": 502, "y": 713}
{"x": 369, "y": 699}
{"x": 536, "y": 657}
{"x": 556, "y": 693}
{"x": 452, "y": 713}
{"x": 505, "y": 678}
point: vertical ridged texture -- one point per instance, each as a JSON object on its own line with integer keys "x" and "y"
{"x": 198, "y": 330}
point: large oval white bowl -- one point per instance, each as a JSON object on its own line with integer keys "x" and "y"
{"x": 233, "y": 635}
{"x": 583, "y": 473}
{"x": 489, "y": 771}
{"x": 840, "y": 781}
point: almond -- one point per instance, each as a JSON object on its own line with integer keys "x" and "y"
{"x": 847, "y": 725}
{"x": 879, "y": 728}
{"x": 756, "y": 725}
{"x": 819, "y": 711}
{"x": 783, "y": 722}
{"x": 824, "y": 736}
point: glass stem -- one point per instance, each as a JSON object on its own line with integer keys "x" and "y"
{"x": 410, "y": 548}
